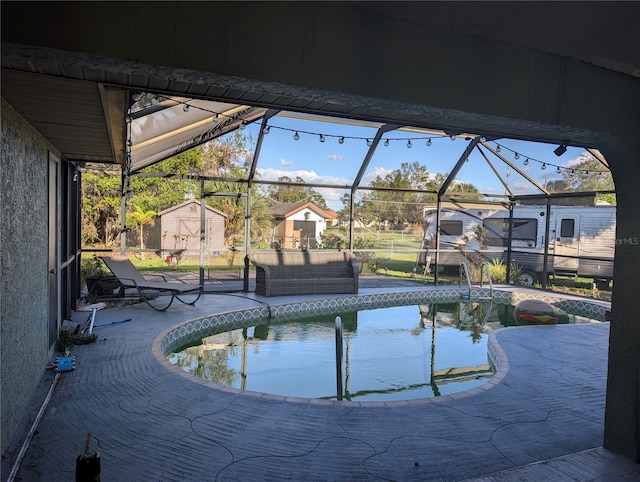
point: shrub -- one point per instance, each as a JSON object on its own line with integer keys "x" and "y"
{"x": 498, "y": 270}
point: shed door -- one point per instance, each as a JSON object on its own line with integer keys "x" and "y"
{"x": 567, "y": 243}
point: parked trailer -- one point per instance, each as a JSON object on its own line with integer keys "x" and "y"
{"x": 581, "y": 238}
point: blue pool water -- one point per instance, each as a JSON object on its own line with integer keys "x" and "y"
{"x": 396, "y": 353}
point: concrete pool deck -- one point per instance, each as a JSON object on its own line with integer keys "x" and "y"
{"x": 541, "y": 418}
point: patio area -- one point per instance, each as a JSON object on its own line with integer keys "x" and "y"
{"x": 539, "y": 418}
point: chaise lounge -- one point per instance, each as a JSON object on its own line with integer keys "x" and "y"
{"x": 158, "y": 295}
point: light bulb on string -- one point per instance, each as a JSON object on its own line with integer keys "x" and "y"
{"x": 497, "y": 147}
{"x": 558, "y": 170}
{"x": 296, "y": 136}
{"x": 516, "y": 156}
{"x": 341, "y": 140}
{"x": 369, "y": 142}
{"x": 265, "y": 130}
{"x": 544, "y": 166}
{"x": 483, "y": 139}
{"x": 452, "y": 137}
{"x": 322, "y": 139}
{"x": 185, "y": 107}
{"x": 409, "y": 145}
{"x": 386, "y": 142}
{"x": 242, "y": 126}
{"x": 429, "y": 142}
{"x": 526, "y": 162}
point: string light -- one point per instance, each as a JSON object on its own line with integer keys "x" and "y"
{"x": 544, "y": 164}
{"x": 156, "y": 99}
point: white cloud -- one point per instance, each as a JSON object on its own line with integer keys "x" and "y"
{"x": 285, "y": 163}
{"x": 584, "y": 156}
{"x": 334, "y": 157}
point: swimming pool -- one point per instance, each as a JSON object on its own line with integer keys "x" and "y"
{"x": 390, "y": 353}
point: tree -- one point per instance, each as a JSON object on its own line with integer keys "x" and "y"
{"x": 101, "y": 194}
{"x": 223, "y": 158}
{"x": 587, "y": 175}
{"x": 142, "y": 217}
{"x": 294, "y": 193}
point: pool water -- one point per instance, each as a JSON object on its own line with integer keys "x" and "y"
{"x": 395, "y": 353}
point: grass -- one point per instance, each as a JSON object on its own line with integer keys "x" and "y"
{"x": 391, "y": 260}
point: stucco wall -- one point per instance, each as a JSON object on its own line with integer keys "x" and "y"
{"x": 23, "y": 266}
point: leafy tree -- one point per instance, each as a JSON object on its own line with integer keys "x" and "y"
{"x": 588, "y": 174}
{"x": 100, "y": 216}
{"x": 284, "y": 193}
{"x": 223, "y": 158}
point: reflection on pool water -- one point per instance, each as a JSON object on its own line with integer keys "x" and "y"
{"x": 396, "y": 353}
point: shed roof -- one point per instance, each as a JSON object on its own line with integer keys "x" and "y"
{"x": 186, "y": 203}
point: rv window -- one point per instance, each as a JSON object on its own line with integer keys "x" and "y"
{"x": 567, "y": 227}
{"x": 453, "y": 228}
{"x": 524, "y": 229}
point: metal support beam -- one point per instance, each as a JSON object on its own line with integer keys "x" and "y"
{"x": 203, "y": 209}
{"x": 247, "y": 241}
{"x": 254, "y": 163}
{"x": 514, "y": 167}
{"x": 458, "y": 166}
{"x": 363, "y": 168}
{"x": 372, "y": 149}
{"x": 546, "y": 244}
{"x": 437, "y": 243}
{"x": 495, "y": 171}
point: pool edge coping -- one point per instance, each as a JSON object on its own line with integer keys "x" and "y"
{"x": 495, "y": 352}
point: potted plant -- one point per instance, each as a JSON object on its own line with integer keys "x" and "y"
{"x": 98, "y": 280}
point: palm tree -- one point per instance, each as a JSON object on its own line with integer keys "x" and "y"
{"x": 142, "y": 217}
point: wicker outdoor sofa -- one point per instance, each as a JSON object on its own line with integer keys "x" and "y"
{"x": 295, "y": 272}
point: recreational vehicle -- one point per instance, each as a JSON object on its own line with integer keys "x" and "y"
{"x": 581, "y": 239}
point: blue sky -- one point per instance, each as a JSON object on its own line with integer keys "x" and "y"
{"x": 332, "y": 162}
